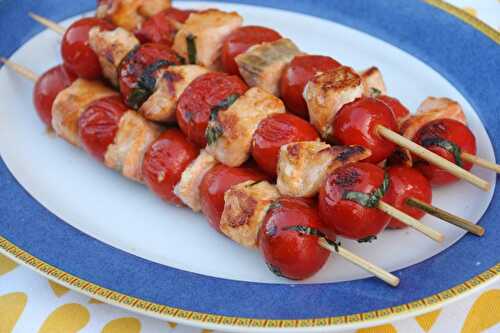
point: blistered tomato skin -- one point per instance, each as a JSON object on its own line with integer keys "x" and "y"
{"x": 401, "y": 113}
{"x": 349, "y": 218}
{"x": 134, "y": 65}
{"x": 198, "y": 99}
{"x": 289, "y": 253}
{"x": 99, "y": 124}
{"x": 275, "y": 131}
{"x": 295, "y": 77}
{"x": 447, "y": 130}
{"x": 165, "y": 161}
{"x": 240, "y": 41}
{"x": 162, "y": 27}
{"x": 47, "y": 87}
{"x": 216, "y": 182}
{"x": 406, "y": 182}
{"x": 356, "y": 124}
{"x": 76, "y": 52}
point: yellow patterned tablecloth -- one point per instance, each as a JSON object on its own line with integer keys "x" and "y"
{"x": 30, "y": 303}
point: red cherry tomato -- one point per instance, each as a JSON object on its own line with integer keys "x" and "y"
{"x": 401, "y": 113}
{"x": 295, "y": 77}
{"x": 47, "y": 87}
{"x": 76, "y": 52}
{"x": 216, "y": 182}
{"x": 165, "y": 161}
{"x": 99, "y": 123}
{"x": 406, "y": 183}
{"x": 347, "y": 217}
{"x": 275, "y": 131}
{"x": 356, "y": 124}
{"x": 162, "y": 28}
{"x": 241, "y": 40}
{"x": 196, "y": 102}
{"x": 290, "y": 253}
{"x": 134, "y": 66}
{"x": 434, "y": 136}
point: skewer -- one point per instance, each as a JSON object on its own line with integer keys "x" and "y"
{"x": 21, "y": 70}
{"x": 380, "y": 273}
{"x": 433, "y": 158}
{"x": 410, "y": 221}
{"x": 54, "y": 26}
{"x": 368, "y": 266}
{"x": 481, "y": 162}
{"x": 446, "y": 216}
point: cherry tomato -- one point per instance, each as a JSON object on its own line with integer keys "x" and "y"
{"x": 138, "y": 63}
{"x": 275, "y": 131}
{"x": 437, "y": 136}
{"x": 401, "y": 113}
{"x": 356, "y": 124}
{"x": 215, "y": 184}
{"x": 295, "y": 77}
{"x": 76, "y": 52}
{"x": 161, "y": 28}
{"x": 406, "y": 183}
{"x": 165, "y": 161}
{"x": 47, "y": 87}
{"x": 99, "y": 123}
{"x": 196, "y": 102}
{"x": 241, "y": 40}
{"x": 348, "y": 217}
{"x": 290, "y": 253}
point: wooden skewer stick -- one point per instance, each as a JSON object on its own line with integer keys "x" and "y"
{"x": 21, "y": 70}
{"x": 481, "y": 162}
{"x": 54, "y": 26}
{"x": 387, "y": 277}
{"x": 433, "y": 158}
{"x": 410, "y": 221}
{"x": 446, "y": 216}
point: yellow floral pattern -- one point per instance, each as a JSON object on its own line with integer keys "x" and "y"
{"x": 55, "y": 309}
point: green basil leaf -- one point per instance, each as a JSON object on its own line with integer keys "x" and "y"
{"x": 191, "y": 48}
{"x": 374, "y": 92}
{"x": 368, "y": 239}
{"x": 214, "y": 129}
{"x": 146, "y": 84}
{"x": 137, "y": 97}
{"x": 447, "y": 145}
{"x": 306, "y": 230}
{"x": 369, "y": 200}
{"x": 274, "y": 269}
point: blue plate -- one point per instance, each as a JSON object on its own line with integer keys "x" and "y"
{"x": 468, "y": 55}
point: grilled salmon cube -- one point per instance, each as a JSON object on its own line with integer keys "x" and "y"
{"x": 170, "y": 84}
{"x": 326, "y": 93}
{"x": 200, "y": 40}
{"x": 188, "y": 187}
{"x": 431, "y": 109}
{"x": 130, "y": 14}
{"x": 230, "y": 132}
{"x": 245, "y": 206}
{"x": 71, "y": 103}
{"x": 262, "y": 64}
{"x": 304, "y": 166}
{"x": 373, "y": 82}
{"x": 111, "y": 48}
{"x": 135, "y": 135}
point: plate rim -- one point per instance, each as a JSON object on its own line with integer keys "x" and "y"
{"x": 224, "y": 322}
{"x": 211, "y": 321}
